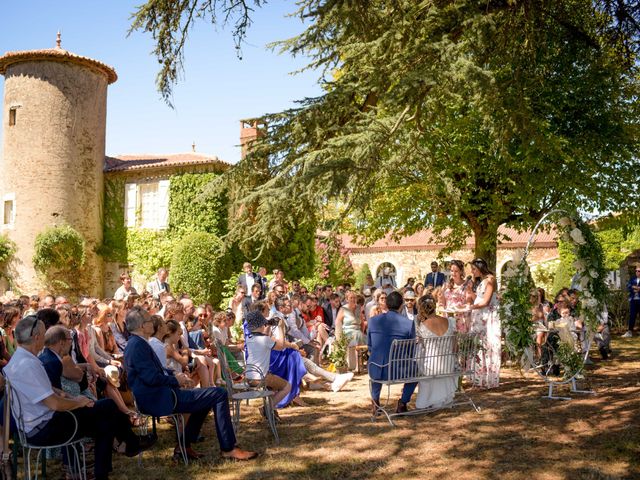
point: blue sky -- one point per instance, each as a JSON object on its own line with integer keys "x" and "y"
{"x": 216, "y": 92}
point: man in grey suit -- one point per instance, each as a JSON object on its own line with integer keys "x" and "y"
{"x": 248, "y": 279}
{"x": 159, "y": 285}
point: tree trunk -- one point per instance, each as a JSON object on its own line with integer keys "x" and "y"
{"x": 486, "y": 243}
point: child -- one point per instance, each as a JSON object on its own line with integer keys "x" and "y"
{"x": 259, "y": 345}
{"x": 603, "y": 337}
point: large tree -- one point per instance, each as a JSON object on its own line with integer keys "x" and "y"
{"x": 456, "y": 115}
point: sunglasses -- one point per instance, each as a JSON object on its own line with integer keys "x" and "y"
{"x": 33, "y": 327}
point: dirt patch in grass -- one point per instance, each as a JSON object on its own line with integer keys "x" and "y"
{"x": 516, "y": 435}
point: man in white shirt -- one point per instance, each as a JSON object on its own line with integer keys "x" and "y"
{"x": 159, "y": 285}
{"x": 44, "y": 410}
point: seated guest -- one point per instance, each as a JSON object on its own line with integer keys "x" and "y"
{"x": 437, "y": 358}
{"x": 157, "y": 339}
{"x": 159, "y": 394}
{"x": 259, "y": 346}
{"x": 382, "y": 330}
{"x": 220, "y": 332}
{"x": 331, "y": 309}
{"x": 44, "y": 408}
{"x": 296, "y": 329}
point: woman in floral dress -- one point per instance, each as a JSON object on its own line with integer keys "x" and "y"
{"x": 485, "y": 322}
{"x": 454, "y": 297}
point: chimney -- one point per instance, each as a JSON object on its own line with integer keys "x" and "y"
{"x": 250, "y": 130}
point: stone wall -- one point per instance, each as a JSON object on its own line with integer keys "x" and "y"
{"x": 416, "y": 263}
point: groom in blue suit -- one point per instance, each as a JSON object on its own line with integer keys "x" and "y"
{"x": 159, "y": 393}
{"x": 382, "y": 330}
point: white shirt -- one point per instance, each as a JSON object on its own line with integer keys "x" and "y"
{"x": 160, "y": 350}
{"x": 29, "y": 380}
{"x": 259, "y": 354}
{"x": 220, "y": 335}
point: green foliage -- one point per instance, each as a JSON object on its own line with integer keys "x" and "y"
{"x": 198, "y": 267}
{"x": 114, "y": 231}
{"x": 618, "y": 308}
{"x": 447, "y": 115}
{"x": 516, "y": 308}
{"x": 59, "y": 255}
{"x": 188, "y": 212}
{"x": 617, "y": 244}
{"x": 293, "y": 251}
{"x": 58, "y": 248}
{"x": 570, "y": 360}
{"x": 148, "y": 250}
{"x": 228, "y": 290}
{"x": 7, "y": 250}
{"x": 565, "y": 269}
{"x": 361, "y": 276}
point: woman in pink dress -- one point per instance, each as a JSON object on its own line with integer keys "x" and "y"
{"x": 454, "y": 297}
{"x": 485, "y": 322}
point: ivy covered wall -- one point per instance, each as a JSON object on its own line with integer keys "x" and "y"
{"x": 146, "y": 250}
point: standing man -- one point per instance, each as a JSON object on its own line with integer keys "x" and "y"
{"x": 262, "y": 274}
{"x": 157, "y": 393}
{"x": 435, "y": 278}
{"x": 247, "y": 279}
{"x": 382, "y": 331}
{"x": 386, "y": 280}
{"x": 160, "y": 284}
{"x": 633, "y": 287}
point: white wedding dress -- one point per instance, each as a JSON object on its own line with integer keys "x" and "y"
{"x": 437, "y": 392}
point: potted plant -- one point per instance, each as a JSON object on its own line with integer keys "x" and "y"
{"x": 338, "y": 355}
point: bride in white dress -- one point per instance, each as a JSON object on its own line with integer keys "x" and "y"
{"x": 438, "y": 358}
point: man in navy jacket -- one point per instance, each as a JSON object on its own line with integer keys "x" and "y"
{"x": 159, "y": 393}
{"x": 381, "y": 331}
{"x": 435, "y": 278}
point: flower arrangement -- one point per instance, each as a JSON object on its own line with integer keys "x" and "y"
{"x": 515, "y": 306}
{"x": 589, "y": 267}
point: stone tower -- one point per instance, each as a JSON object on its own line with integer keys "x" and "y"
{"x": 51, "y": 171}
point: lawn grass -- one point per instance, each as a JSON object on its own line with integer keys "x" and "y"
{"x": 516, "y": 435}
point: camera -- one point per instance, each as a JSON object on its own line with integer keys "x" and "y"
{"x": 273, "y": 321}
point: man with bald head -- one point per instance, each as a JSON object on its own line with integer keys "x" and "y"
{"x": 48, "y": 413}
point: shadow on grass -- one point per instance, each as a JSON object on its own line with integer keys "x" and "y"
{"x": 517, "y": 435}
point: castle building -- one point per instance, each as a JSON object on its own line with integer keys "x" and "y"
{"x": 54, "y": 117}
{"x": 55, "y": 172}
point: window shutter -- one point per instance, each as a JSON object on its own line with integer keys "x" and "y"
{"x": 130, "y": 204}
{"x": 163, "y": 203}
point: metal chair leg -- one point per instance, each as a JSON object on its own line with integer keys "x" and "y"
{"x": 180, "y": 431}
{"x": 268, "y": 409}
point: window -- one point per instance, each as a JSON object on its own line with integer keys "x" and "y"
{"x": 13, "y": 111}
{"x": 147, "y": 204}
{"x": 8, "y": 209}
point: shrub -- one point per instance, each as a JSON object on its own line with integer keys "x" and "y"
{"x": 199, "y": 267}
{"x": 361, "y": 276}
{"x": 618, "y": 308}
{"x": 7, "y": 250}
{"x": 59, "y": 257}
